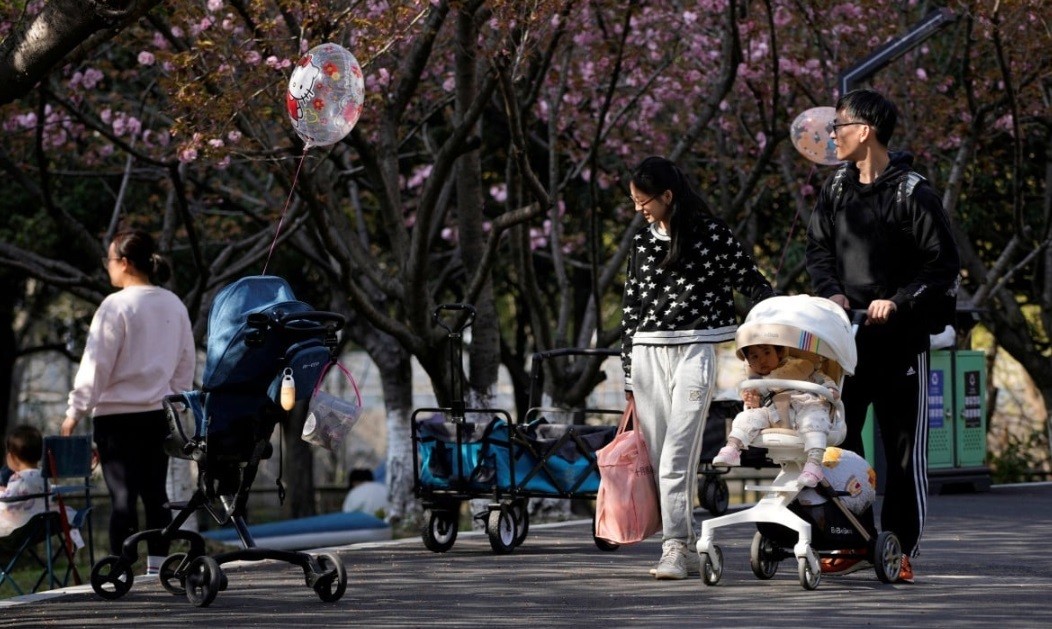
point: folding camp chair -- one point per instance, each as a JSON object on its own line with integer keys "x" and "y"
{"x": 67, "y": 474}
{"x": 20, "y": 549}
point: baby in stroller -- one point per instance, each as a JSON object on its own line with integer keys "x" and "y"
{"x": 813, "y": 330}
{"x": 807, "y": 413}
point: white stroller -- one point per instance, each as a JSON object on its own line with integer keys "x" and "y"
{"x": 818, "y": 329}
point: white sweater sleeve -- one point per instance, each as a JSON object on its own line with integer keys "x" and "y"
{"x": 105, "y": 338}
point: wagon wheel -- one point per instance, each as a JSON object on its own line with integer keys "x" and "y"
{"x": 440, "y": 530}
{"x": 500, "y": 527}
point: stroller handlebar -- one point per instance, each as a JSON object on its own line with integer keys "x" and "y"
{"x": 294, "y": 319}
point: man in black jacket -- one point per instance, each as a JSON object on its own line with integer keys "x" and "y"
{"x": 879, "y": 240}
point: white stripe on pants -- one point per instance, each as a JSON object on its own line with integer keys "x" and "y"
{"x": 672, "y": 386}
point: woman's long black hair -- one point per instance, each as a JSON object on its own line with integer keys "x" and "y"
{"x": 688, "y": 210}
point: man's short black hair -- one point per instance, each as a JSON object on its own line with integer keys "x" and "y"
{"x": 360, "y": 475}
{"x": 870, "y": 106}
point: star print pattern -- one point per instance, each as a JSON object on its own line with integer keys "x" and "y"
{"x": 693, "y": 303}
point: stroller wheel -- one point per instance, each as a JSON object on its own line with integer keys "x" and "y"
{"x": 111, "y": 578}
{"x": 809, "y": 570}
{"x": 440, "y": 531}
{"x": 169, "y": 574}
{"x": 330, "y": 587}
{"x": 715, "y": 495}
{"x": 712, "y": 566}
{"x": 202, "y": 581}
{"x": 887, "y": 556}
{"x": 500, "y": 526}
{"x": 763, "y": 557}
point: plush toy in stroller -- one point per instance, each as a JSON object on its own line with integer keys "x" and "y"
{"x": 266, "y": 351}
{"x": 814, "y": 329}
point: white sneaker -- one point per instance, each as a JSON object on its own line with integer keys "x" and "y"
{"x": 677, "y": 561}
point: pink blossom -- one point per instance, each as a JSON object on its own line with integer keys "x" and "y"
{"x": 27, "y": 121}
{"x": 215, "y": 143}
{"x": 253, "y": 57}
{"x": 921, "y": 74}
{"x": 91, "y": 78}
{"x": 419, "y": 176}
{"x": 57, "y": 137}
{"x": 499, "y": 192}
{"x": 187, "y": 155}
{"x": 537, "y": 238}
{"x": 224, "y": 163}
{"x": 215, "y": 5}
{"x": 146, "y": 58}
{"x": 234, "y": 135}
{"x": 159, "y": 42}
{"x": 449, "y": 84}
{"x": 126, "y": 125}
{"x": 106, "y": 115}
{"x": 106, "y": 150}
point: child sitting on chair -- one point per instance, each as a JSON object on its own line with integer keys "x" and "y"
{"x": 807, "y": 413}
{"x": 25, "y": 448}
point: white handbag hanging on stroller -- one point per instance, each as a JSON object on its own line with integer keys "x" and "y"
{"x": 819, "y": 330}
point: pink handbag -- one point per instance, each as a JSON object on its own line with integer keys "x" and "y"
{"x": 627, "y": 509}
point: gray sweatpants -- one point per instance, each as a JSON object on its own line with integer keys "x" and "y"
{"x": 672, "y": 386}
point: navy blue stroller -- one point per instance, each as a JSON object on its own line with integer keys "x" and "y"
{"x": 258, "y": 335}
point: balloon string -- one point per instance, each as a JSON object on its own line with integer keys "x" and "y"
{"x": 281, "y": 220}
{"x": 792, "y": 228}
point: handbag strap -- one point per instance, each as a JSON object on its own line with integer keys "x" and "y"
{"x": 346, "y": 372}
{"x": 628, "y": 417}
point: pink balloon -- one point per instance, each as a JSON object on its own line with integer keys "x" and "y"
{"x": 325, "y": 95}
{"x": 810, "y": 134}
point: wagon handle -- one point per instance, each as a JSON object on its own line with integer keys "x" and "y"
{"x": 464, "y": 324}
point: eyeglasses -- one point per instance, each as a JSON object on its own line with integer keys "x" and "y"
{"x": 836, "y": 125}
{"x": 641, "y": 204}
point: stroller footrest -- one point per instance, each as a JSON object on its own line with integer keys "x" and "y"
{"x": 789, "y": 487}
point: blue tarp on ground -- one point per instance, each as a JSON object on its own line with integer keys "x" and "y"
{"x": 330, "y": 529}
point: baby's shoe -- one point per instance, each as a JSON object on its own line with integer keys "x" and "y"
{"x": 811, "y": 475}
{"x": 728, "y": 456}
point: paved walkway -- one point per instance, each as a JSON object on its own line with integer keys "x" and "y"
{"x": 986, "y": 562}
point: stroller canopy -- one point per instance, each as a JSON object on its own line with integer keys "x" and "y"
{"x": 811, "y": 324}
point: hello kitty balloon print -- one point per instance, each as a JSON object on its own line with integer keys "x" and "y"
{"x": 325, "y": 95}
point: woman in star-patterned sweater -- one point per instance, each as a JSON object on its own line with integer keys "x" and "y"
{"x": 678, "y": 304}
